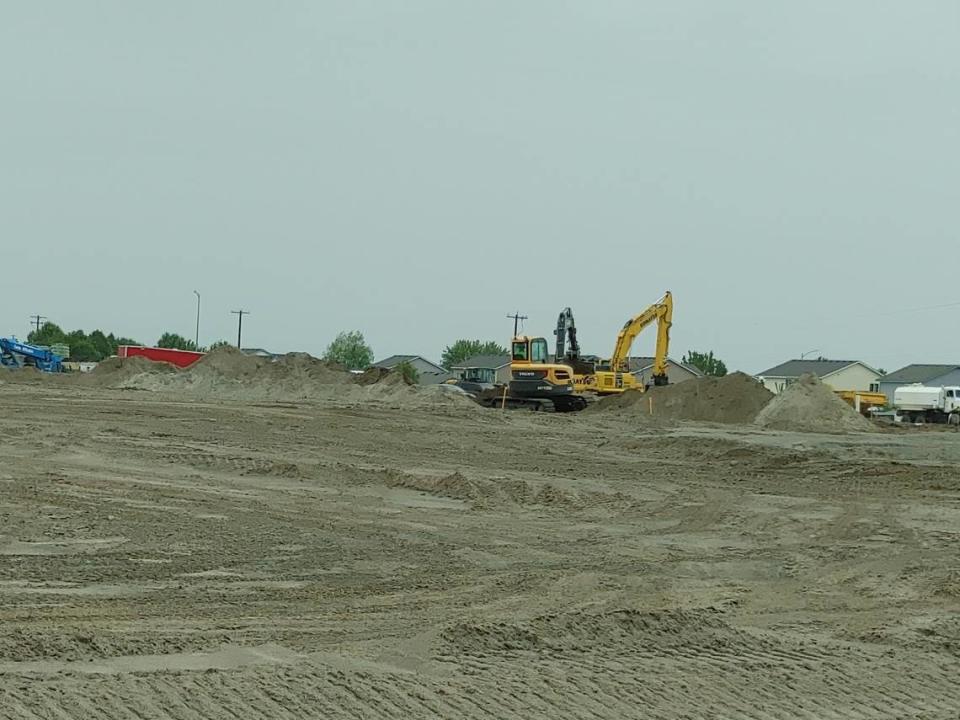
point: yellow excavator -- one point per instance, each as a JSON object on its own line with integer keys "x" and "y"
{"x": 538, "y": 383}
{"x": 613, "y": 376}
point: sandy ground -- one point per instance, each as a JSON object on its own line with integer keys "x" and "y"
{"x": 163, "y": 559}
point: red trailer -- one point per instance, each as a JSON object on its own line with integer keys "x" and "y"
{"x": 180, "y": 358}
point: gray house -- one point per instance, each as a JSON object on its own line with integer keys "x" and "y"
{"x": 430, "y": 373}
{"x": 933, "y": 375}
{"x": 499, "y": 364}
{"x": 642, "y": 369}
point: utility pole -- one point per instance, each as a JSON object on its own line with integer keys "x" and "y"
{"x": 36, "y": 320}
{"x": 239, "y": 314}
{"x": 516, "y": 317}
{"x": 196, "y": 340}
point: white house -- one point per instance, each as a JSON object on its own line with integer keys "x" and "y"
{"x": 837, "y": 374}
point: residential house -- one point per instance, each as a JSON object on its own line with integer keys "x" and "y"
{"x": 932, "y": 375}
{"x": 499, "y": 364}
{"x": 642, "y": 369}
{"x": 429, "y": 373}
{"x": 837, "y": 374}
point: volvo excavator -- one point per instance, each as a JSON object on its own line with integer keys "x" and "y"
{"x": 538, "y": 383}
{"x": 613, "y": 376}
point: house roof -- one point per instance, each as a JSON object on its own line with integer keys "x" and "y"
{"x": 918, "y": 373}
{"x": 819, "y": 367}
{"x": 483, "y": 361}
{"x": 391, "y": 362}
{"x": 642, "y": 362}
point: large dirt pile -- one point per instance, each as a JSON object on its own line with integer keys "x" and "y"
{"x": 734, "y": 398}
{"x": 810, "y": 406}
{"x": 228, "y": 374}
{"x": 115, "y": 370}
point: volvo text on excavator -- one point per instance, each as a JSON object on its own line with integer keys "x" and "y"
{"x": 613, "y": 376}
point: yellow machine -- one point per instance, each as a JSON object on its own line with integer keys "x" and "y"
{"x": 534, "y": 380}
{"x": 863, "y": 401}
{"x": 613, "y": 376}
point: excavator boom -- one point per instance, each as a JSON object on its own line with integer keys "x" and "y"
{"x": 615, "y": 376}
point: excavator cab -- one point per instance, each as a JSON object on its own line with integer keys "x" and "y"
{"x": 527, "y": 350}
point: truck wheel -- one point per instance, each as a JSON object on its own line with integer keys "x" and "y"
{"x": 953, "y": 419}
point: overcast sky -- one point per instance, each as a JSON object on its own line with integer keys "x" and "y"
{"x": 418, "y": 169}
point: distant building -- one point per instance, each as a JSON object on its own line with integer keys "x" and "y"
{"x": 837, "y": 374}
{"x": 499, "y": 364}
{"x": 932, "y": 375}
{"x": 429, "y": 372}
{"x": 642, "y": 369}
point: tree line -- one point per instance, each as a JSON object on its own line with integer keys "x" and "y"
{"x": 98, "y": 345}
{"x": 349, "y": 348}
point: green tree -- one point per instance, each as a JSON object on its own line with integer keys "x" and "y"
{"x": 351, "y": 350}
{"x": 175, "y": 342}
{"x": 462, "y": 349}
{"x": 102, "y": 344}
{"x": 408, "y": 372}
{"x": 705, "y": 362}
{"x": 219, "y": 344}
{"x": 83, "y": 348}
{"x": 48, "y": 334}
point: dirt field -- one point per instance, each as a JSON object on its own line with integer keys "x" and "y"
{"x": 193, "y": 560}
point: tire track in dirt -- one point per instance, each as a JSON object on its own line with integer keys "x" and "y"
{"x": 623, "y": 664}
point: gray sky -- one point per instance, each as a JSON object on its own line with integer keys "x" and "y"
{"x": 417, "y": 169}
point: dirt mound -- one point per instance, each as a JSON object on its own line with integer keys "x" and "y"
{"x": 810, "y": 406}
{"x": 227, "y": 361}
{"x": 115, "y": 371}
{"x": 371, "y": 375}
{"x": 483, "y": 493}
{"x": 614, "y": 632}
{"x": 734, "y": 398}
{"x": 228, "y": 374}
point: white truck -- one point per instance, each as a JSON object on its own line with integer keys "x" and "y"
{"x": 919, "y": 403}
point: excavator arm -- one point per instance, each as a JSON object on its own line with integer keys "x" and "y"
{"x": 566, "y": 328}
{"x": 660, "y": 312}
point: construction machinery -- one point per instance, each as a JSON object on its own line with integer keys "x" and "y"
{"x": 568, "y": 350}
{"x": 15, "y": 354}
{"x": 918, "y": 403}
{"x": 862, "y": 401}
{"x": 613, "y": 376}
{"x": 538, "y": 383}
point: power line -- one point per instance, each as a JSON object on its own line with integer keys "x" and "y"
{"x": 35, "y": 319}
{"x": 516, "y": 317}
{"x": 916, "y": 309}
{"x": 239, "y": 314}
